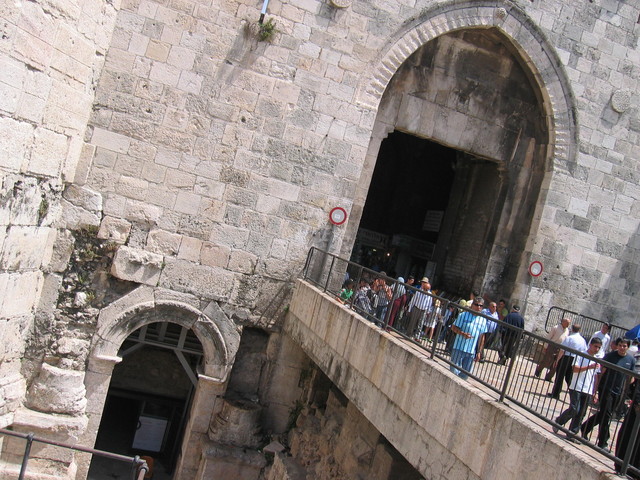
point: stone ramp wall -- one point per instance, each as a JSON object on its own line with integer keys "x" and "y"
{"x": 443, "y": 426}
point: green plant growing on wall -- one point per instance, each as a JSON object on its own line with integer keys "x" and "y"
{"x": 91, "y": 296}
{"x": 266, "y": 30}
{"x": 43, "y": 209}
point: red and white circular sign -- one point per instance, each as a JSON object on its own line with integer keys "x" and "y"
{"x": 338, "y": 216}
{"x": 535, "y": 268}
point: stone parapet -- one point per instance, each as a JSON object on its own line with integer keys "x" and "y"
{"x": 466, "y": 435}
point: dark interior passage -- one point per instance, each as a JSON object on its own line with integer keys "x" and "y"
{"x": 409, "y": 194}
{"x": 148, "y": 399}
{"x": 413, "y": 176}
{"x": 430, "y": 210}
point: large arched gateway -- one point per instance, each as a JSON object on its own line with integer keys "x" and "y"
{"x": 172, "y": 163}
{"x": 486, "y": 94}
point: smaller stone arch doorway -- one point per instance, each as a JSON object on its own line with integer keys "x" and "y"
{"x": 149, "y": 398}
{"x": 179, "y": 320}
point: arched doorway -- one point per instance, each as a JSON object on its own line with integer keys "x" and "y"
{"x": 476, "y": 94}
{"x": 149, "y": 398}
{"x": 155, "y": 324}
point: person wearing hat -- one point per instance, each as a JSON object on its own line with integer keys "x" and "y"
{"x": 469, "y": 329}
{"x": 510, "y": 335}
{"x": 419, "y": 306}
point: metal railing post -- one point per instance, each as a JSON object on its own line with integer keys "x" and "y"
{"x": 387, "y": 313}
{"x": 326, "y": 284}
{"x": 25, "y": 458}
{"x": 140, "y": 468}
{"x": 512, "y": 361}
{"x": 356, "y": 286}
{"x": 439, "y": 327}
{"x": 631, "y": 443}
{"x": 307, "y": 263}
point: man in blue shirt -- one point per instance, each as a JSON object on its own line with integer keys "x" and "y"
{"x": 469, "y": 329}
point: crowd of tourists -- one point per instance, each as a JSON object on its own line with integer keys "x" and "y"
{"x": 419, "y": 313}
{"x": 591, "y": 380}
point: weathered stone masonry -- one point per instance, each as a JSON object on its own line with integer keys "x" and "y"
{"x": 156, "y": 157}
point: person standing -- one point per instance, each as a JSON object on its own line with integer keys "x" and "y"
{"x": 510, "y": 335}
{"x": 398, "y": 301}
{"x": 610, "y": 388}
{"x": 503, "y": 311}
{"x": 556, "y": 335}
{"x": 564, "y": 360}
{"x": 347, "y": 292}
{"x": 361, "y": 300}
{"x": 469, "y": 329}
{"x": 492, "y": 327}
{"x": 581, "y": 388}
{"x": 419, "y": 306}
{"x": 383, "y": 295}
{"x": 603, "y": 334}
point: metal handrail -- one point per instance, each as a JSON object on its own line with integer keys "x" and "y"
{"x": 590, "y": 325}
{"x": 516, "y": 384}
{"x": 139, "y": 465}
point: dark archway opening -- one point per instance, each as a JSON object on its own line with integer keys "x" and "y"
{"x": 408, "y": 195}
{"x": 419, "y": 196}
{"x": 456, "y": 202}
{"x": 148, "y": 400}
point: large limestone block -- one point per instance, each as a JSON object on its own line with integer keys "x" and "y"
{"x": 84, "y": 197}
{"x": 163, "y": 242}
{"x": 49, "y": 149}
{"x": 24, "y": 248}
{"x": 137, "y": 265}
{"x": 46, "y": 461}
{"x": 14, "y": 139}
{"x": 237, "y": 423}
{"x": 19, "y": 292}
{"x": 221, "y": 461}
{"x": 114, "y": 229}
{"x": 184, "y": 276}
{"x": 62, "y": 249}
{"x": 58, "y": 390}
{"x": 74, "y": 217}
{"x": 12, "y": 390}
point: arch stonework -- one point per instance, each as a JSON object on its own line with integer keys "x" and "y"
{"x": 529, "y": 42}
{"x": 537, "y": 57}
{"x": 218, "y": 335}
{"x": 220, "y": 339}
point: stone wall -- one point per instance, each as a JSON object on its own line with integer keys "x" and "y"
{"x": 51, "y": 55}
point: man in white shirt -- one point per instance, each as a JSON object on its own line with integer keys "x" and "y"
{"x": 556, "y": 335}
{"x": 419, "y": 306}
{"x": 581, "y": 388}
{"x": 603, "y": 335}
{"x": 564, "y": 360}
{"x": 492, "y": 327}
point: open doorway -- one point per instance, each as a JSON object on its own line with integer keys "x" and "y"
{"x": 148, "y": 400}
{"x": 407, "y": 198}
{"x": 422, "y": 196}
